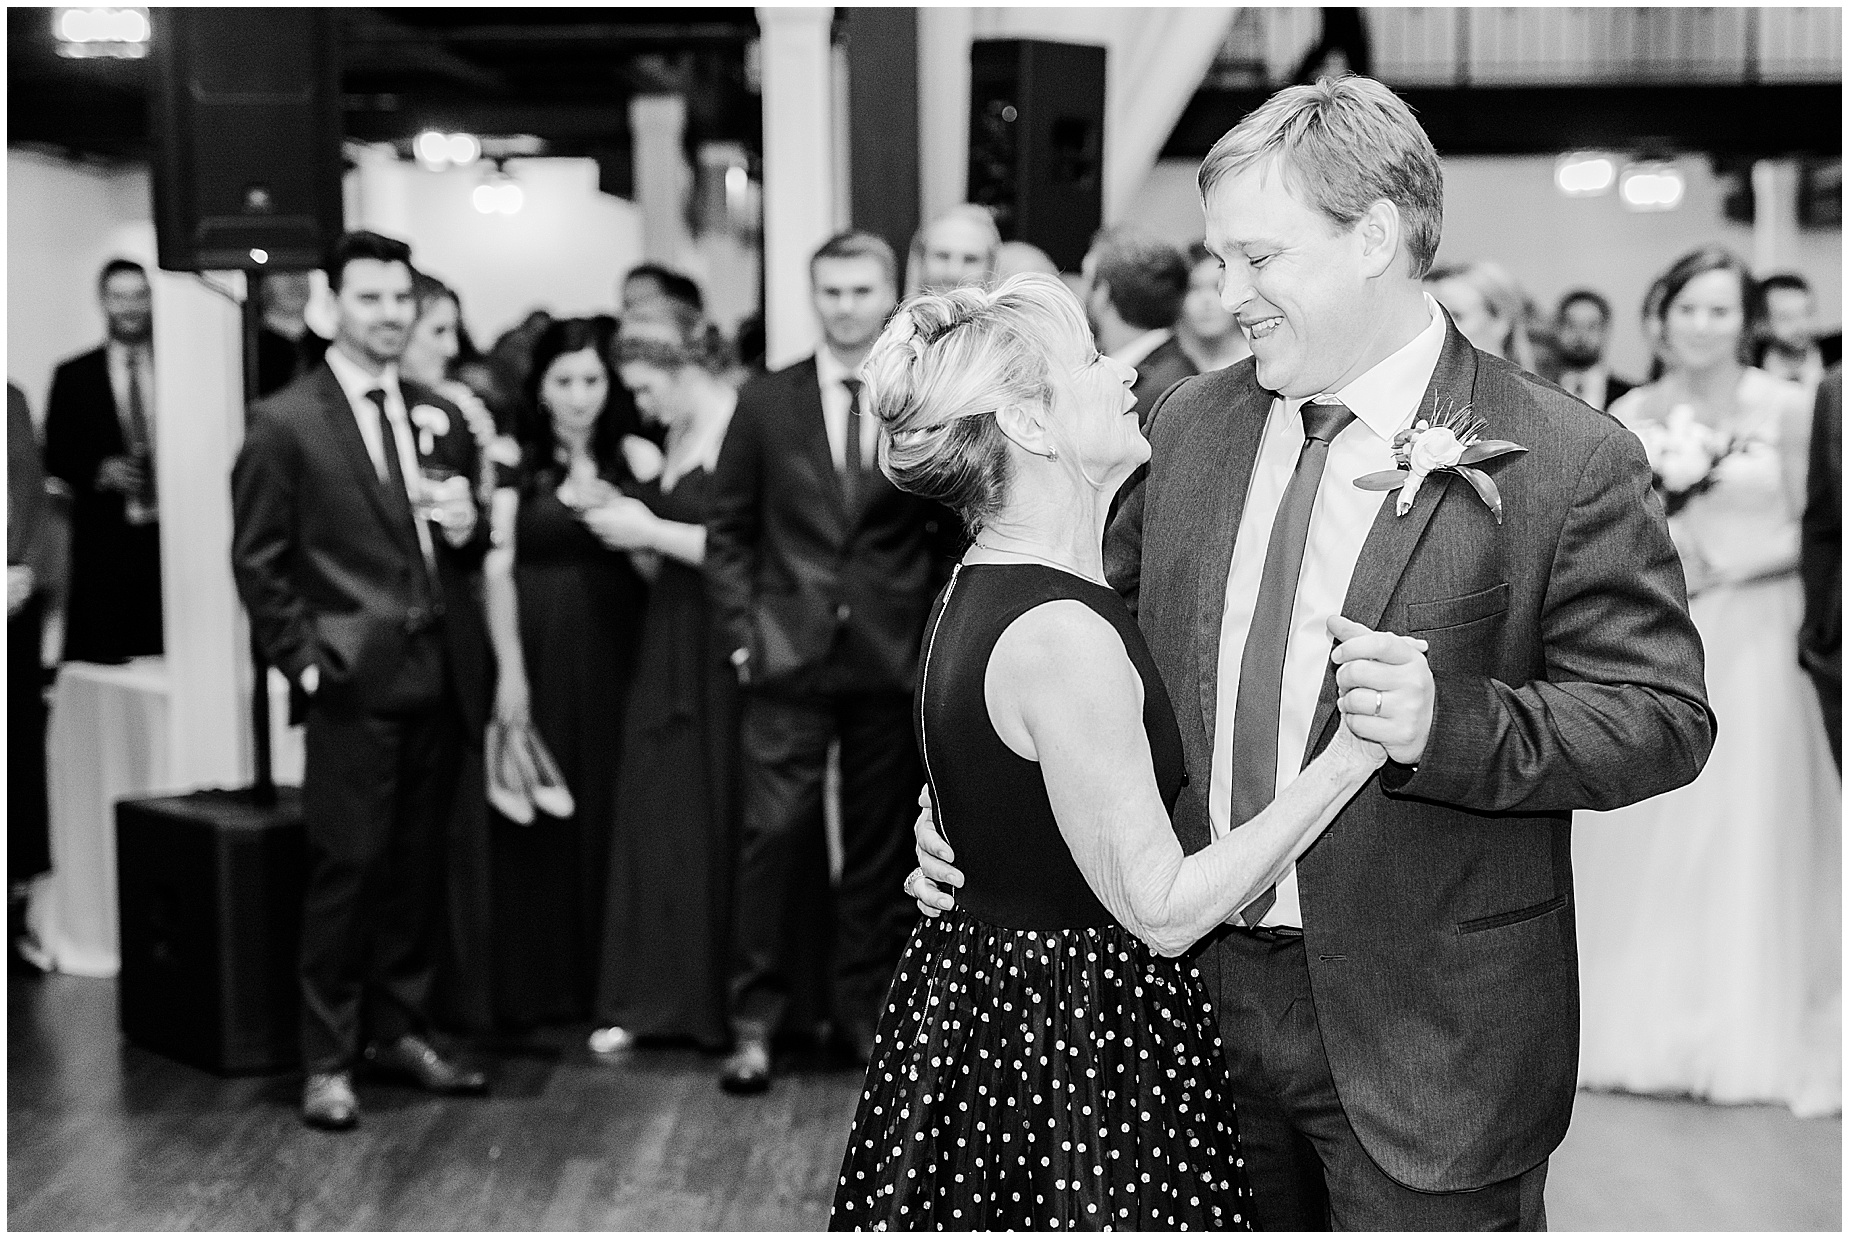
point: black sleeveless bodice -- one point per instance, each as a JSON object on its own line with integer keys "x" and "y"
{"x": 990, "y": 803}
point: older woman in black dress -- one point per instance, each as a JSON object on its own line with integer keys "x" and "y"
{"x": 1044, "y": 1060}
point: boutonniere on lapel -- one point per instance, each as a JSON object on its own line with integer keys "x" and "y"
{"x": 430, "y": 422}
{"x": 1449, "y": 441}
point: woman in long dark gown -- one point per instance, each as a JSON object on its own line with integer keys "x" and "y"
{"x": 665, "y": 920}
{"x": 565, "y": 613}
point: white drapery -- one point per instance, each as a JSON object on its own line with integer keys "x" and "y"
{"x": 1155, "y": 61}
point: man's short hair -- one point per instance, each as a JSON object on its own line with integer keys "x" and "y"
{"x": 1341, "y": 146}
{"x": 1784, "y": 279}
{"x": 1145, "y": 279}
{"x": 118, "y": 266}
{"x": 673, "y": 284}
{"x": 353, "y": 246}
{"x": 854, "y": 243}
{"x": 1588, "y": 295}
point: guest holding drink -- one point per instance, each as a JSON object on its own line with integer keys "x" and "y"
{"x": 565, "y": 612}
{"x": 1710, "y": 916}
{"x": 667, "y": 911}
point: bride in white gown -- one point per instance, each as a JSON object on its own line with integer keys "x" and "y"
{"x": 1710, "y": 918}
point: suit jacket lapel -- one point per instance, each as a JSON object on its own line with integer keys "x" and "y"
{"x": 394, "y": 515}
{"x": 1229, "y": 458}
{"x": 1393, "y": 538}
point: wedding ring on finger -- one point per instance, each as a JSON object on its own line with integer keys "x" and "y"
{"x": 1378, "y": 697}
{"x": 915, "y": 873}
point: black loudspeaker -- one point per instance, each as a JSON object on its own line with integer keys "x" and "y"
{"x": 210, "y": 890}
{"x": 1036, "y": 143}
{"x": 246, "y": 119}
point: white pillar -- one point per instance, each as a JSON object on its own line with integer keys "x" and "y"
{"x": 199, "y": 403}
{"x": 380, "y": 198}
{"x": 1775, "y": 214}
{"x": 943, "y": 107}
{"x": 657, "y": 124}
{"x": 800, "y": 175}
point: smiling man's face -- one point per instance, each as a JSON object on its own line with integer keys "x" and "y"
{"x": 1294, "y": 279}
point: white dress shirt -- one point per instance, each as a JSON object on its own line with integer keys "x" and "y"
{"x": 355, "y": 382}
{"x": 1138, "y": 350}
{"x": 1383, "y": 401}
{"x": 117, "y": 354}
{"x": 1589, "y": 384}
{"x": 828, "y": 374}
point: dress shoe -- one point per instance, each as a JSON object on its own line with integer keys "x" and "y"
{"x": 414, "y": 1057}
{"x": 748, "y": 1068}
{"x": 328, "y": 1101}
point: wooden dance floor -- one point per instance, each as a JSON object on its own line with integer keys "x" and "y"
{"x": 101, "y": 1135}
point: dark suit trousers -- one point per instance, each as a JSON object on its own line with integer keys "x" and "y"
{"x": 1307, "y": 1168}
{"x": 376, "y": 797}
{"x": 785, "y": 748}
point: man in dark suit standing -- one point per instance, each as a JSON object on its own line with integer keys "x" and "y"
{"x": 100, "y": 428}
{"x": 1820, "y": 641}
{"x": 1134, "y": 287}
{"x": 821, "y": 574}
{"x": 1400, "y": 1014}
{"x": 1582, "y": 326}
{"x": 355, "y": 550}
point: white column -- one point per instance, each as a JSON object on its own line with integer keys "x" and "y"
{"x": 800, "y": 175}
{"x": 380, "y": 196}
{"x": 199, "y": 407}
{"x": 1775, "y": 214}
{"x": 657, "y": 124}
{"x": 943, "y": 107}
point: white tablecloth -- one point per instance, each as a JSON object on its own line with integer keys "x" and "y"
{"x": 108, "y": 740}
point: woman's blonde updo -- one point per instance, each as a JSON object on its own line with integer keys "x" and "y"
{"x": 945, "y": 363}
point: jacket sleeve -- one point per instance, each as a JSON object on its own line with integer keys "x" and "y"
{"x": 263, "y": 542}
{"x": 1622, "y": 713}
{"x": 733, "y": 522}
{"x": 69, "y": 456}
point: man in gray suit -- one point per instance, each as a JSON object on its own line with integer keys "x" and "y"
{"x": 1400, "y": 1015}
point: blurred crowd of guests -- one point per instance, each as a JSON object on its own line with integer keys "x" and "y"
{"x": 692, "y": 585}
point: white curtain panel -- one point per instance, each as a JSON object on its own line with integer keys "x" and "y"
{"x": 1156, "y": 59}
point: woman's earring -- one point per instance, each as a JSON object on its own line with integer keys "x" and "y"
{"x": 1052, "y": 453}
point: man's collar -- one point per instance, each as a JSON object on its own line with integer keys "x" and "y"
{"x": 354, "y": 380}
{"x": 828, "y": 368}
{"x": 1137, "y": 351}
{"x": 1387, "y": 395}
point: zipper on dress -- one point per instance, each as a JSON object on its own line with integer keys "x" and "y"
{"x": 924, "y": 696}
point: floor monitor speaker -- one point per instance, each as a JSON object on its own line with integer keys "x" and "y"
{"x": 210, "y": 889}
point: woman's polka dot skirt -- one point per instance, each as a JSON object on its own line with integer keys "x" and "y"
{"x": 1042, "y": 1080}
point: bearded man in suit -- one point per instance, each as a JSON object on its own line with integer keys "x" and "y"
{"x": 821, "y": 573}
{"x": 1400, "y": 1015}
{"x": 100, "y": 429}
{"x": 356, "y": 547}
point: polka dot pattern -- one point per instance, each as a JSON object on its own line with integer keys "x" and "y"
{"x": 1042, "y": 1080}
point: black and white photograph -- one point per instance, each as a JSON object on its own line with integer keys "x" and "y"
{"x": 924, "y": 618}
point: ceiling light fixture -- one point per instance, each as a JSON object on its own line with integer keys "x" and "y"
{"x": 87, "y": 33}
{"x": 1656, "y": 186}
{"x": 1585, "y": 174}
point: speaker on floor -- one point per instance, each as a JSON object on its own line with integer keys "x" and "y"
{"x": 246, "y": 121}
{"x": 210, "y": 891}
{"x": 1036, "y": 143}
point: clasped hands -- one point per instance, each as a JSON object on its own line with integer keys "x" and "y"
{"x": 622, "y": 523}
{"x": 1384, "y": 691}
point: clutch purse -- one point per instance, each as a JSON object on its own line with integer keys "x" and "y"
{"x": 522, "y": 775}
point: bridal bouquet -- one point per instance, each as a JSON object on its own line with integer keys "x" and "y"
{"x": 1685, "y": 455}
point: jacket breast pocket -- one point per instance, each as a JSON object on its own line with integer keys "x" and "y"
{"x": 1456, "y": 612}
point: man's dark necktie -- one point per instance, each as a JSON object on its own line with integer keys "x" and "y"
{"x": 1261, "y": 668}
{"x": 141, "y": 508}
{"x": 852, "y": 466}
